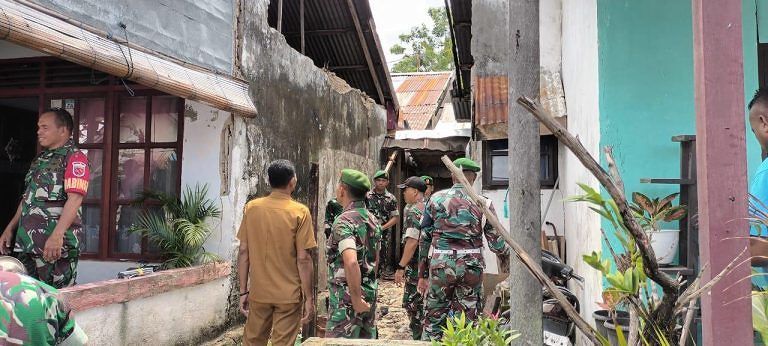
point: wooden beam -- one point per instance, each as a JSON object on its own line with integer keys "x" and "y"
{"x": 393, "y": 100}
{"x": 524, "y": 190}
{"x": 366, "y": 51}
{"x": 301, "y": 22}
{"x": 348, "y": 67}
{"x": 721, "y": 152}
{"x": 322, "y": 32}
{"x": 280, "y": 15}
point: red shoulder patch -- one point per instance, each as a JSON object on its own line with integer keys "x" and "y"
{"x": 78, "y": 174}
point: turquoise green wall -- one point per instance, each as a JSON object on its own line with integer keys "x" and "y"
{"x": 646, "y": 86}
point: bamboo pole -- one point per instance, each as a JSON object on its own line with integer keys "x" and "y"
{"x": 390, "y": 162}
{"x": 533, "y": 267}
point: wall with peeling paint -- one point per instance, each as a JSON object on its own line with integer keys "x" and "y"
{"x": 200, "y": 32}
{"x": 304, "y": 115}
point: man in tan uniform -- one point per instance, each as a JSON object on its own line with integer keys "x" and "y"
{"x": 275, "y": 263}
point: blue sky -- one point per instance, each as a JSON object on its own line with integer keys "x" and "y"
{"x": 395, "y": 17}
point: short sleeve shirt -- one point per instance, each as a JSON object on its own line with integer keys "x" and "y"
{"x": 759, "y": 189}
{"x": 273, "y": 228}
{"x": 30, "y": 314}
{"x": 354, "y": 229}
{"x": 52, "y": 177}
{"x": 382, "y": 205}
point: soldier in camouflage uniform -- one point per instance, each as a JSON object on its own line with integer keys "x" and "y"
{"x": 407, "y": 269}
{"x": 383, "y": 205}
{"x": 453, "y": 277}
{"x": 352, "y": 252}
{"x": 332, "y": 210}
{"x": 30, "y": 313}
{"x": 48, "y": 217}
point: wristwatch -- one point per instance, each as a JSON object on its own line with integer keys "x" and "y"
{"x": 399, "y": 267}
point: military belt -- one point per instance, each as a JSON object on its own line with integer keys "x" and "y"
{"x": 458, "y": 252}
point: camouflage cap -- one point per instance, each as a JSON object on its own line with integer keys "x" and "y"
{"x": 10, "y": 264}
{"x": 427, "y": 179}
{"x": 356, "y": 179}
{"x": 466, "y": 164}
{"x": 381, "y": 174}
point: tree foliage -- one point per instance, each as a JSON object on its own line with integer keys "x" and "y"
{"x": 426, "y": 49}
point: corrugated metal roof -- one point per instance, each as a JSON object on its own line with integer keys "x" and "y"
{"x": 331, "y": 40}
{"x": 420, "y": 96}
{"x": 491, "y": 99}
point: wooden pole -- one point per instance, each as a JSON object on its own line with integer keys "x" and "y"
{"x": 280, "y": 16}
{"x": 391, "y": 161}
{"x": 721, "y": 169}
{"x": 301, "y": 21}
{"x": 366, "y": 51}
{"x": 533, "y": 266}
{"x": 524, "y": 189}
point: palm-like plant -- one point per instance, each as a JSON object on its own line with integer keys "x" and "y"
{"x": 650, "y": 212}
{"x": 181, "y": 229}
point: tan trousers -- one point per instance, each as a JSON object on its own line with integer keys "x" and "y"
{"x": 282, "y": 320}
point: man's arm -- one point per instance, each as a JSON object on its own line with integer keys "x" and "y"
{"x": 495, "y": 241}
{"x": 410, "y": 249}
{"x": 354, "y": 278}
{"x": 306, "y": 270}
{"x": 391, "y": 223}
{"x": 243, "y": 266}
{"x": 7, "y": 236}
{"x": 425, "y": 241}
{"x": 305, "y": 242}
{"x": 55, "y": 242}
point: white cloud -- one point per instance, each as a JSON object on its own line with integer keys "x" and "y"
{"x": 396, "y": 17}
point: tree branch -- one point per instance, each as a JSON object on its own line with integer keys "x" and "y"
{"x": 668, "y": 285}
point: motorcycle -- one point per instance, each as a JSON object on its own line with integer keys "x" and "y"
{"x": 559, "y": 329}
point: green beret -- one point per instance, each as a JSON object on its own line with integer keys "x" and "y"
{"x": 381, "y": 174}
{"x": 355, "y": 179}
{"x": 466, "y": 164}
{"x": 427, "y": 179}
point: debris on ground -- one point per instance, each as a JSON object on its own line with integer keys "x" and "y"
{"x": 391, "y": 318}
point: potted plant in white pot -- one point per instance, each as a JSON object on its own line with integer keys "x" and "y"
{"x": 651, "y": 213}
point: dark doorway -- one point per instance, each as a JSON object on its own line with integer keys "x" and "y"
{"x": 18, "y": 146}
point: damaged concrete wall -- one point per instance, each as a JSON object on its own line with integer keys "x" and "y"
{"x": 304, "y": 115}
{"x": 200, "y": 32}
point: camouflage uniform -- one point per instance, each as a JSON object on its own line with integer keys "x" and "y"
{"x": 384, "y": 207}
{"x": 332, "y": 210}
{"x": 354, "y": 228}
{"x": 52, "y": 175}
{"x": 413, "y": 302}
{"x": 453, "y": 225}
{"x": 30, "y": 314}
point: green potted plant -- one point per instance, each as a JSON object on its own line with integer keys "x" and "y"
{"x": 650, "y": 213}
{"x": 181, "y": 228}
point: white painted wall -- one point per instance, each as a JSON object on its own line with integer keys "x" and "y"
{"x": 171, "y": 318}
{"x": 203, "y": 127}
{"x": 580, "y": 80}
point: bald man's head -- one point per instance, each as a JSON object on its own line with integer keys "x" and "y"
{"x": 758, "y": 117}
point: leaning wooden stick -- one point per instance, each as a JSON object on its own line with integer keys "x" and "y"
{"x": 390, "y": 162}
{"x": 533, "y": 267}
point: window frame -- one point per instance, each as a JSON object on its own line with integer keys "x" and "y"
{"x": 110, "y": 88}
{"x": 548, "y": 145}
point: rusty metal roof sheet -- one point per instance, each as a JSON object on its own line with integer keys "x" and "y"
{"x": 420, "y": 96}
{"x": 491, "y": 101}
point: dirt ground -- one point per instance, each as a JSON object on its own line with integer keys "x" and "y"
{"x": 394, "y": 324}
{"x": 392, "y": 320}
